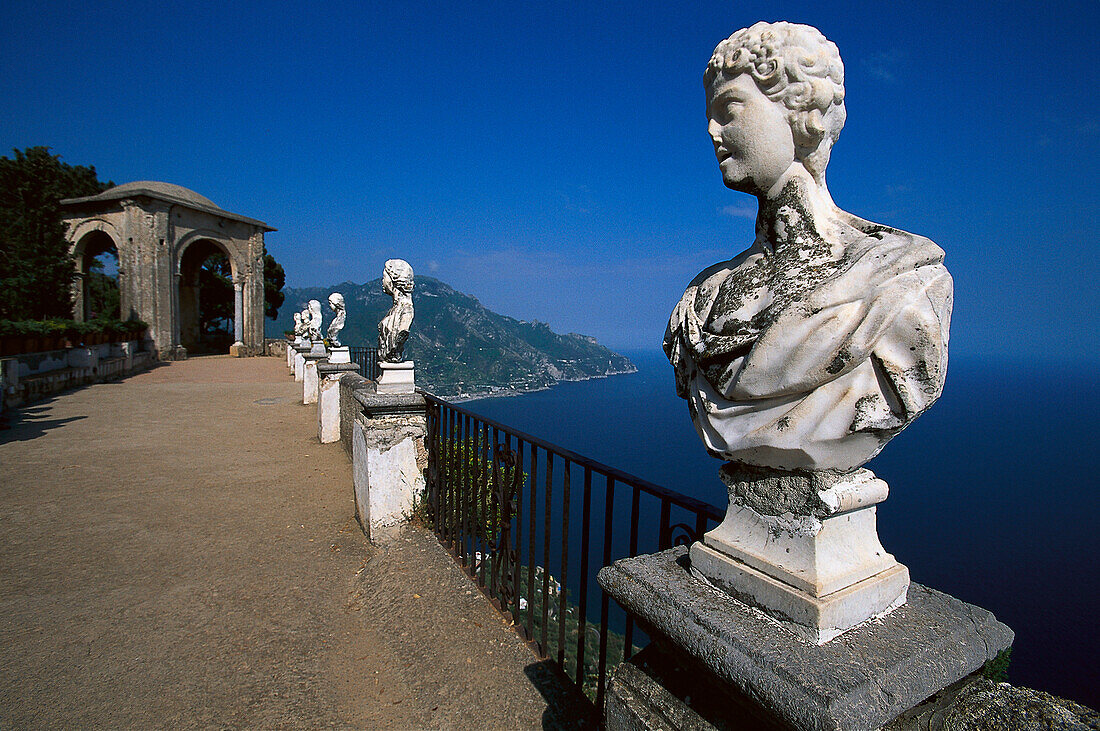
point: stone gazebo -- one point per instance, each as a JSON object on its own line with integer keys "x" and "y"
{"x": 163, "y": 233}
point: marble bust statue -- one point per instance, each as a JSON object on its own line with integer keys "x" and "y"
{"x": 305, "y": 317}
{"x": 393, "y": 330}
{"x": 336, "y": 304}
{"x": 298, "y": 324}
{"x": 313, "y": 322}
{"x": 815, "y": 346}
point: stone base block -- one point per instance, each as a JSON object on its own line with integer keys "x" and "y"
{"x": 309, "y": 379}
{"x": 340, "y": 355}
{"x": 804, "y": 548}
{"x": 858, "y": 681}
{"x": 388, "y": 461}
{"x": 396, "y": 377}
{"x": 817, "y": 619}
{"x": 238, "y": 350}
{"x": 328, "y": 399}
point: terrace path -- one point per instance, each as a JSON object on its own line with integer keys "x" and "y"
{"x": 178, "y": 550}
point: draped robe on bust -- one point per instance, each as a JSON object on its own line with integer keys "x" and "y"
{"x": 826, "y": 379}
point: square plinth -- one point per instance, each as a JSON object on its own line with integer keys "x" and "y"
{"x": 817, "y": 618}
{"x": 859, "y": 680}
{"x": 396, "y": 377}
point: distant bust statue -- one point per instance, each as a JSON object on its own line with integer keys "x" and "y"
{"x": 298, "y": 324}
{"x": 336, "y": 304}
{"x": 314, "y": 321}
{"x": 828, "y": 336}
{"x": 305, "y": 317}
{"x": 393, "y": 330}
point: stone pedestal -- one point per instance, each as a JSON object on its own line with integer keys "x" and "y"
{"x": 299, "y": 360}
{"x": 860, "y": 680}
{"x": 317, "y": 347}
{"x": 290, "y": 346}
{"x": 388, "y": 459}
{"x": 396, "y": 377}
{"x": 328, "y": 398}
{"x": 341, "y": 354}
{"x": 309, "y": 377}
{"x": 804, "y": 548}
{"x": 238, "y": 350}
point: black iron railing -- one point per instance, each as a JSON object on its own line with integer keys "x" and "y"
{"x": 507, "y": 505}
{"x": 367, "y": 358}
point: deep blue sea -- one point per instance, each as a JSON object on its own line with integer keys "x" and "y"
{"x": 994, "y": 496}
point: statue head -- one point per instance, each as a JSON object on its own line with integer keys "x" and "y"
{"x": 397, "y": 276}
{"x": 336, "y": 301}
{"x": 800, "y": 72}
{"x": 297, "y": 320}
{"x": 314, "y": 308}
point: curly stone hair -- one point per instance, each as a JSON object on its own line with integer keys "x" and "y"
{"x": 401, "y": 274}
{"x": 799, "y": 67}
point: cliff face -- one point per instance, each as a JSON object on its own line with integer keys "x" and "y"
{"x": 462, "y": 349}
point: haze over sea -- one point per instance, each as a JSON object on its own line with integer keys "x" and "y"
{"x": 993, "y": 495}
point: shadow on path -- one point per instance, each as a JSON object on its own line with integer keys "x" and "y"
{"x": 31, "y": 422}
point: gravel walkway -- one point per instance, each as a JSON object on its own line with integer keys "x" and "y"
{"x": 178, "y": 550}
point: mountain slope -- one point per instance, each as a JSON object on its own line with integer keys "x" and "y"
{"x": 462, "y": 349}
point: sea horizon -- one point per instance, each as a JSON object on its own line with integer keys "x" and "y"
{"x": 986, "y": 489}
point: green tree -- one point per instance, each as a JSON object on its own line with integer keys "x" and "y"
{"x": 103, "y": 294}
{"x": 274, "y": 280}
{"x": 216, "y": 307}
{"x": 36, "y": 270}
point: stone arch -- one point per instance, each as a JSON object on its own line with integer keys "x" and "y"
{"x": 88, "y": 240}
{"x": 192, "y": 253}
{"x": 156, "y": 227}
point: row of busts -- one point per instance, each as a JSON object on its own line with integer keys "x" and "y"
{"x": 393, "y": 330}
{"x": 307, "y": 323}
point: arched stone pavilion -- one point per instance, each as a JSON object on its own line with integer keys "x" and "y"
{"x": 163, "y": 233}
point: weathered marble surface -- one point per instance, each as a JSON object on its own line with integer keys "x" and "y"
{"x": 310, "y": 379}
{"x": 328, "y": 398}
{"x": 388, "y": 459}
{"x": 804, "y": 549}
{"x": 314, "y": 321}
{"x": 339, "y": 309}
{"x": 298, "y": 324}
{"x": 304, "y": 317}
{"x": 396, "y": 377}
{"x": 825, "y": 338}
{"x": 393, "y": 330}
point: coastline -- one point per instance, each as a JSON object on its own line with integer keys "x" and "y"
{"x": 510, "y": 391}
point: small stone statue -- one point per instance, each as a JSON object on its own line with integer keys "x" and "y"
{"x": 313, "y": 324}
{"x": 393, "y": 330}
{"x": 815, "y": 346}
{"x": 298, "y": 324}
{"x": 336, "y": 304}
{"x": 304, "y": 316}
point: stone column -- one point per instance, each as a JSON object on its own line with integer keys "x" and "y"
{"x": 238, "y": 313}
{"x": 300, "y": 351}
{"x": 328, "y": 398}
{"x": 388, "y": 460}
{"x": 237, "y": 348}
{"x": 79, "y": 296}
{"x": 309, "y": 377}
{"x": 290, "y": 353}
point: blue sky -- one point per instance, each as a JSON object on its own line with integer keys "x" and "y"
{"x": 552, "y": 159}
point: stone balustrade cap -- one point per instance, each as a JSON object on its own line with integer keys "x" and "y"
{"x": 381, "y": 404}
{"x": 333, "y": 368}
{"x": 860, "y": 680}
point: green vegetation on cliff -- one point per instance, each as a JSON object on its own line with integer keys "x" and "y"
{"x": 462, "y": 349}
